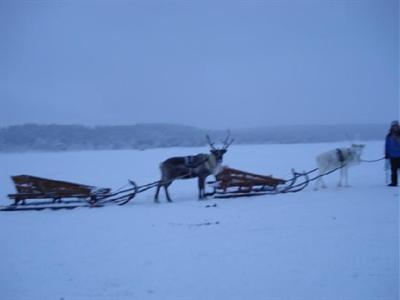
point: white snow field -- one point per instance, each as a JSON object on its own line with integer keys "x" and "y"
{"x": 336, "y": 243}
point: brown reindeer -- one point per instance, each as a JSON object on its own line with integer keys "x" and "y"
{"x": 185, "y": 167}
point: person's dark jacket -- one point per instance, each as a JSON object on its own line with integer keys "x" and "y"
{"x": 392, "y": 146}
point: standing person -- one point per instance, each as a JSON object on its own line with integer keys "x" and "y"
{"x": 392, "y": 151}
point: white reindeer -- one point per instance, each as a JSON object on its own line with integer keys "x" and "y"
{"x": 342, "y": 158}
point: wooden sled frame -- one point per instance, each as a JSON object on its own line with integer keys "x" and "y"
{"x": 245, "y": 181}
{"x": 32, "y": 187}
{"x": 233, "y": 183}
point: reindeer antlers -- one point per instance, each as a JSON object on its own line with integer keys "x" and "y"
{"x": 228, "y": 141}
{"x": 210, "y": 143}
{"x": 225, "y": 143}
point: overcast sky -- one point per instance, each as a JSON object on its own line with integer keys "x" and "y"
{"x": 210, "y": 64}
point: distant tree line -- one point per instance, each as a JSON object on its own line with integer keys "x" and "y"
{"x": 34, "y": 137}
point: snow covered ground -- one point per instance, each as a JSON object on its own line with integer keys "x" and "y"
{"x": 337, "y": 243}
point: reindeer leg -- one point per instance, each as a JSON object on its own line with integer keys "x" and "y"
{"x": 201, "y": 182}
{"x": 320, "y": 182}
{"x": 317, "y": 184}
{"x": 323, "y": 183}
{"x": 346, "y": 177}
{"x": 157, "y": 192}
{"x": 340, "y": 177}
{"x": 166, "y": 191}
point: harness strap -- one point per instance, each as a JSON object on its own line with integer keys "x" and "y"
{"x": 189, "y": 160}
{"x": 191, "y": 163}
{"x": 340, "y": 155}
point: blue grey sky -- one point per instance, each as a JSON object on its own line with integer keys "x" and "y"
{"x": 210, "y": 64}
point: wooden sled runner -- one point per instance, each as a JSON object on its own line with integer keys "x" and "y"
{"x": 232, "y": 183}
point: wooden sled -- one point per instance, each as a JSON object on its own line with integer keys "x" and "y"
{"x": 232, "y": 183}
{"x": 230, "y": 177}
{"x": 31, "y": 187}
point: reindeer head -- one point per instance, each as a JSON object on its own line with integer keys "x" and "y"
{"x": 357, "y": 150}
{"x": 218, "y": 153}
